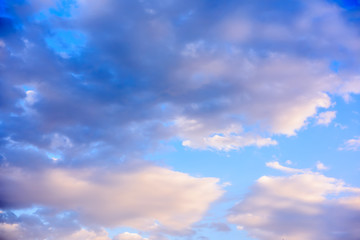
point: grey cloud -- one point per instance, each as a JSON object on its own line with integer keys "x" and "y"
{"x": 132, "y": 73}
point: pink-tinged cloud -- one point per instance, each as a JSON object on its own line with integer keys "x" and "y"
{"x": 298, "y": 207}
{"x": 145, "y": 198}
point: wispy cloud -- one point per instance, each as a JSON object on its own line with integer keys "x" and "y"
{"x": 278, "y": 166}
{"x": 351, "y": 144}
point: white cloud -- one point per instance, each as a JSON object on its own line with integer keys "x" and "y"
{"x": 84, "y": 234}
{"x": 351, "y": 145}
{"x": 278, "y": 166}
{"x": 129, "y": 236}
{"x": 320, "y": 166}
{"x": 325, "y": 118}
{"x": 352, "y": 86}
{"x": 298, "y": 207}
{"x": 198, "y": 135}
{"x": 139, "y": 198}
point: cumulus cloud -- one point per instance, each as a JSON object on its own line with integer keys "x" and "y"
{"x": 199, "y": 135}
{"x": 114, "y": 198}
{"x": 325, "y": 118}
{"x": 270, "y": 81}
{"x": 351, "y": 144}
{"x": 301, "y": 206}
{"x": 129, "y": 236}
{"x": 78, "y": 88}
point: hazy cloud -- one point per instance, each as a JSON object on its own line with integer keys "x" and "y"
{"x": 351, "y": 144}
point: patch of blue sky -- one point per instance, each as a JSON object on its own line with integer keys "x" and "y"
{"x": 63, "y": 8}
{"x": 347, "y": 4}
{"x": 66, "y": 42}
{"x": 27, "y": 88}
{"x": 28, "y": 211}
{"x": 54, "y": 156}
{"x": 335, "y": 66}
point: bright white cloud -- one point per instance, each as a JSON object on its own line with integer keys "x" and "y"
{"x": 349, "y": 87}
{"x": 139, "y": 198}
{"x": 198, "y": 135}
{"x": 325, "y": 118}
{"x": 278, "y": 166}
{"x": 298, "y": 207}
{"x": 351, "y": 144}
{"x": 88, "y": 235}
{"x": 129, "y": 236}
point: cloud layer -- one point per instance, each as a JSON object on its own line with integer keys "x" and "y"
{"x": 87, "y": 87}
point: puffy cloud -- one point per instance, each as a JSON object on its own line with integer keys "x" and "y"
{"x": 81, "y": 89}
{"x": 130, "y": 82}
{"x": 351, "y": 144}
{"x": 301, "y": 206}
{"x": 114, "y": 197}
{"x": 129, "y": 236}
{"x": 325, "y": 118}
{"x": 88, "y": 235}
{"x": 320, "y": 166}
{"x": 199, "y": 135}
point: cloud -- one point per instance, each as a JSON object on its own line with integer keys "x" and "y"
{"x": 351, "y": 144}
{"x": 301, "y": 206}
{"x": 129, "y": 236}
{"x": 198, "y": 135}
{"x": 78, "y": 88}
{"x": 114, "y": 197}
{"x": 278, "y": 166}
{"x": 325, "y": 118}
{"x": 129, "y": 90}
{"x": 44, "y": 224}
{"x": 320, "y": 166}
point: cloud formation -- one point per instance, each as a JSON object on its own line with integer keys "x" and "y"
{"x": 351, "y": 144}
{"x": 129, "y": 90}
{"x": 325, "y": 118}
{"x": 129, "y": 236}
{"x": 86, "y": 86}
{"x": 301, "y": 206}
{"x": 114, "y": 198}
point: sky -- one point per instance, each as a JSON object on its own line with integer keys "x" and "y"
{"x": 179, "y": 120}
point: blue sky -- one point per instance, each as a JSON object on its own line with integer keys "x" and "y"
{"x": 179, "y": 120}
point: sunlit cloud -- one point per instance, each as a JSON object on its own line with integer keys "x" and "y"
{"x": 300, "y": 206}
